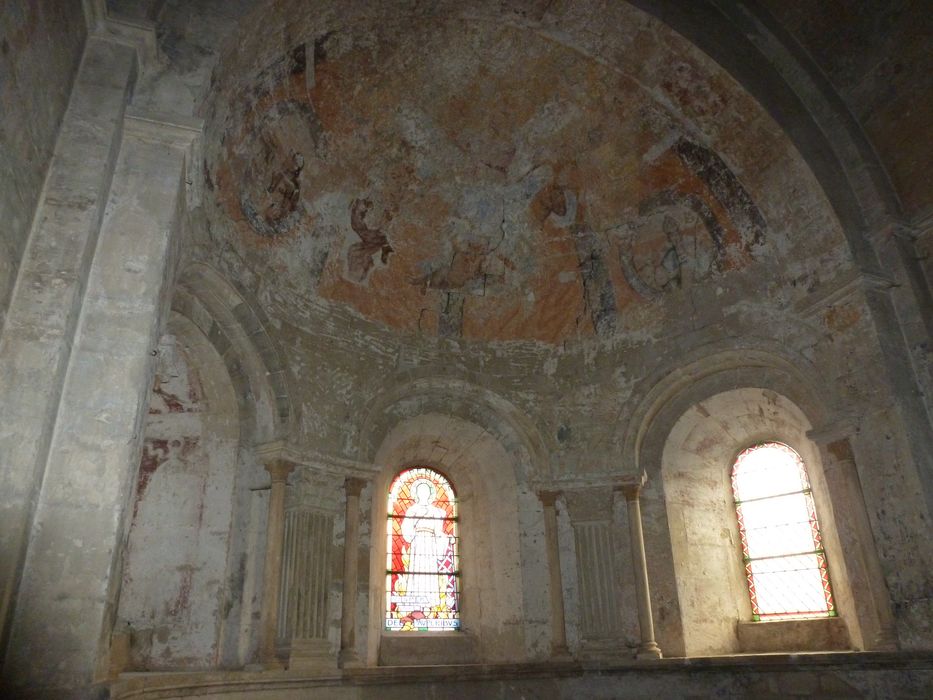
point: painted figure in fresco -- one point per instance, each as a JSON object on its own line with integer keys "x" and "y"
{"x": 372, "y": 241}
{"x": 423, "y": 529}
{"x": 284, "y": 190}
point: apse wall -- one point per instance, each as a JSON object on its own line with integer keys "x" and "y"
{"x": 41, "y": 48}
{"x": 174, "y": 596}
{"x": 690, "y": 227}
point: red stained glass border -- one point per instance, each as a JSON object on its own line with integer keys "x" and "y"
{"x": 829, "y": 609}
{"x": 402, "y": 496}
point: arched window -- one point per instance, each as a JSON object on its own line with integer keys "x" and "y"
{"x": 422, "y": 559}
{"x": 783, "y": 550}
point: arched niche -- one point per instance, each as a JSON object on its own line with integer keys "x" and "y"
{"x": 503, "y": 610}
{"x": 231, "y": 374}
{"x": 172, "y": 601}
{"x": 468, "y": 402}
{"x": 234, "y": 324}
{"x": 665, "y": 396}
{"x": 696, "y": 466}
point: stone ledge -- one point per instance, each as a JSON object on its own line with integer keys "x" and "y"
{"x": 649, "y": 676}
{"x": 823, "y": 634}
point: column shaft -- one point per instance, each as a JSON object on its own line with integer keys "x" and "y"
{"x": 351, "y": 559}
{"x": 648, "y": 648}
{"x": 558, "y": 626}
{"x": 272, "y": 571}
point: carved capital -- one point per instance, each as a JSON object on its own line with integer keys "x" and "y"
{"x": 589, "y": 504}
{"x": 840, "y": 451}
{"x": 840, "y": 429}
{"x": 549, "y": 498}
{"x": 631, "y": 487}
{"x": 279, "y": 469}
{"x": 354, "y": 485}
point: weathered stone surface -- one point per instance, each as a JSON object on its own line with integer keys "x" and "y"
{"x": 67, "y": 591}
{"x": 40, "y": 48}
{"x": 542, "y": 246}
{"x": 36, "y": 341}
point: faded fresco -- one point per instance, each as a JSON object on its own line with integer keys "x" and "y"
{"x": 509, "y": 189}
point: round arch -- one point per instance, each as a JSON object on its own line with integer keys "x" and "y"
{"x": 709, "y": 370}
{"x": 467, "y": 402}
{"x": 503, "y": 614}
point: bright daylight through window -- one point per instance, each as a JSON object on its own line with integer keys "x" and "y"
{"x": 781, "y": 542}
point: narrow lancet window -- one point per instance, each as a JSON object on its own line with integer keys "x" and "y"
{"x": 423, "y": 565}
{"x": 783, "y": 550}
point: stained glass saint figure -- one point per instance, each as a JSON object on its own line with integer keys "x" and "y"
{"x": 422, "y": 566}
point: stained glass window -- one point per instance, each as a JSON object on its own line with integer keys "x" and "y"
{"x": 785, "y": 563}
{"x": 422, "y": 559}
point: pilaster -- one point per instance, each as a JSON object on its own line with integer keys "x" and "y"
{"x": 97, "y": 395}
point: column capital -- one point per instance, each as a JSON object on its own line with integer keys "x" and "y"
{"x": 631, "y": 487}
{"x": 589, "y": 503}
{"x": 842, "y": 428}
{"x": 279, "y": 469}
{"x": 548, "y": 498}
{"x": 354, "y": 485}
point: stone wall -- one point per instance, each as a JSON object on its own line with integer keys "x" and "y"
{"x": 175, "y": 565}
{"x": 878, "y": 81}
{"x": 40, "y": 47}
{"x": 767, "y": 679}
{"x": 542, "y": 238}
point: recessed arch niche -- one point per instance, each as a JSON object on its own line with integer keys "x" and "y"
{"x": 503, "y": 611}
{"x": 695, "y": 472}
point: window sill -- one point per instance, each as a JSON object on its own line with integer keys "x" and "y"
{"x": 819, "y": 634}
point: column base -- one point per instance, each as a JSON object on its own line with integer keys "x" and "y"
{"x": 561, "y": 653}
{"x": 311, "y": 655}
{"x": 648, "y": 650}
{"x": 886, "y": 640}
{"x": 348, "y": 658}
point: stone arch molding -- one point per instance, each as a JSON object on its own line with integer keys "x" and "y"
{"x": 461, "y": 400}
{"x": 238, "y": 330}
{"x": 493, "y": 508}
{"x": 711, "y": 370}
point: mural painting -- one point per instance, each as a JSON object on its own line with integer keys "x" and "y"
{"x": 477, "y": 199}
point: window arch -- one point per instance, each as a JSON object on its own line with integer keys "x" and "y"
{"x": 422, "y": 553}
{"x": 785, "y": 563}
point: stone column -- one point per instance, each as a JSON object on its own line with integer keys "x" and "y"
{"x": 648, "y": 648}
{"x": 853, "y": 526}
{"x": 38, "y": 337}
{"x": 278, "y": 469}
{"x": 351, "y": 562}
{"x": 558, "y": 627}
{"x": 61, "y": 627}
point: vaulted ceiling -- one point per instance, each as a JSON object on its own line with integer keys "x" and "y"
{"x": 537, "y": 172}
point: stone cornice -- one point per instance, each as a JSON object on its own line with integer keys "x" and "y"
{"x": 172, "y": 130}
{"x": 842, "y": 289}
{"x": 842, "y": 427}
{"x": 139, "y": 35}
{"x": 315, "y": 461}
{"x": 611, "y": 482}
